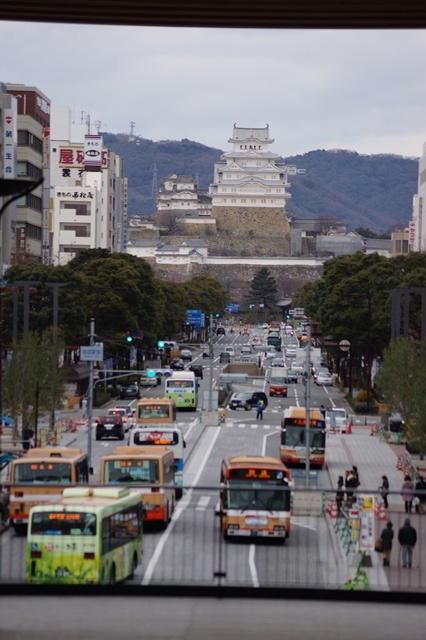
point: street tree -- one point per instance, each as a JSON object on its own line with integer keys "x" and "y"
{"x": 205, "y": 293}
{"x": 263, "y": 288}
{"x": 401, "y": 382}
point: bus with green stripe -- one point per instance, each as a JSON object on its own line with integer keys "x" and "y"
{"x": 182, "y": 388}
{"x": 89, "y": 536}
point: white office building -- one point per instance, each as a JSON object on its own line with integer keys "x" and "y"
{"x": 417, "y": 225}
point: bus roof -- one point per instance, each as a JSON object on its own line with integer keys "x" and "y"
{"x": 300, "y": 412}
{"x": 253, "y": 461}
{"x": 184, "y": 375}
{"x": 43, "y": 453}
{"x": 89, "y": 498}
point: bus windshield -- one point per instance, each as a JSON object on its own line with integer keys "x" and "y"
{"x": 137, "y": 471}
{"x": 59, "y": 523}
{"x": 268, "y": 497}
{"x": 295, "y": 437}
{"x": 42, "y": 472}
{"x": 180, "y": 384}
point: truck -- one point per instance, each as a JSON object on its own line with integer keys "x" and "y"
{"x": 336, "y": 419}
{"x": 278, "y": 381}
{"x": 274, "y": 340}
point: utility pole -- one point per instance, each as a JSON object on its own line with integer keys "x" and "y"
{"x": 55, "y": 287}
{"x": 308, "y": 404}
{"x": 211, "y": 363}
{"x": 90, "y": 399}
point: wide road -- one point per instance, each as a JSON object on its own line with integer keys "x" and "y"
{"x": 191, "y": 550}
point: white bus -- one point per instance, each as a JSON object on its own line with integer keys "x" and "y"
{"x": 182, "y": 388}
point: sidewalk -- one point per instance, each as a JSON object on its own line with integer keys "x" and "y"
{"x": 374, "y": 459}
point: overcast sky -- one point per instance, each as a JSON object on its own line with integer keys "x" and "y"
{"x": 359, "y": 90}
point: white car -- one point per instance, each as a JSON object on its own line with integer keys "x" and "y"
{"x": 127, "y": 414}
{"x": 231, "y": 351}
{"x": 324, "y": 378}
{"x": 290, "y": 351}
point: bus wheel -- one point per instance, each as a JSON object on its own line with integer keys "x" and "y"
{"x": 112, "y": 575}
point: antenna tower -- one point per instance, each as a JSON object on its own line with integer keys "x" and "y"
{"x": 132, "y": 128}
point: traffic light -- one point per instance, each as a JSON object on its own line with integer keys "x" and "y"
{"x": 251, "y": 306}
{"x": 129, "y": 338}
{"x": 217, "y": 315}
{"x": 288, "y": 316}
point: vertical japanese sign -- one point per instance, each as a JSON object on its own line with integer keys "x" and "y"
{"x": 366, "y": 514}
{"x": 93, "y": 153}
{"x": 9, "y": 143}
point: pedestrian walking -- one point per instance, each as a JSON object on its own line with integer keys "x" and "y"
{"x": 340, "y": 493}
{"x": 420, "y": 495}
{"x": 322, "y": 410}
{"x": 387, "y": 537}
{"x": 356, "y": 476}
{"x": 27, "y": 435}
{"x": 407, "y": 538}
{"x": 260, "y": 408}
{"x": 350, "y": 487}
{"x": 407, "y": 493}
{"x": 384, "y": 490}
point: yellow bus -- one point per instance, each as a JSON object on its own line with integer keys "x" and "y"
{"x": 255, "y": 498}
{"x": 151, "y": 411}
{"x": 40, "y": 476}
{"x": 89, "y": 536}
{"x": 293, "y": 437}
{"x": 151, "y": 472}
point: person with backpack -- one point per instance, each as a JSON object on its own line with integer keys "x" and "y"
{"x": 260, "y": 408}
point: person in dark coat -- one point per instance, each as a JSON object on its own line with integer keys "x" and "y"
{"x": 384, "y": 490}
{"x": 420, "y": 494}
{"x": 350, "y": 487}
{"x": 407, "y": 538}
{"x": 387, "y": 537}
{"x": 356, "y": 476}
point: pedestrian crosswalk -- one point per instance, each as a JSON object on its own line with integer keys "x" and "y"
{"x": 251, "y": 425}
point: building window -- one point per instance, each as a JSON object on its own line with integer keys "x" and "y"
{"x": 253, "y": 200}
{"x": 233, "y": 200}
{"x": 34, "y": 232}
{"x": 80, "y": 230}
{"x": 263, "y": 201}
{"x": 28, "y": 170}
{"x": 31, "y": 201}
{"x": 81, "y": 209}
{"x": 234, "y": 190}
{"x": 27, "y": 139}
{"x": 243, "y": 200}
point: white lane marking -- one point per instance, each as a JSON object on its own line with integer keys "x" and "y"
{"x": 193, "y": 423}
{"x": 254, "y": 426}
{"x": 252, "y": 566}
{"x": 180, "y": 509}
{"x": 264, "y": 442}
{"x": 202, "y": 503}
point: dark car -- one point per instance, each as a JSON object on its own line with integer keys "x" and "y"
{"x": 130, "y": 391}
{"x": 177, "y": 364}
{"x": 197, "y": 369}
{"x": 186, "y": 354}
{"x": 220, "y": 331}
{"x": 225, "y": 356}
{"x": 110, "y": 427}
{"x": 247, "y": 399}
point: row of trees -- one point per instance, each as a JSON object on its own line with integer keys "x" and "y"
{"x": 352, "y": 301}
{"x": 120, "y": 291}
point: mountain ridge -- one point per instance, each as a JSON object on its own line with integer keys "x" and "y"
{"x": 370, "y": 191}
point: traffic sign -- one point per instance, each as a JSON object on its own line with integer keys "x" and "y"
{"x": 194, "y": 316}
{"x": 93, "y": 353}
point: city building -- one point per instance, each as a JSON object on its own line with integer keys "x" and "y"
{"x": 89, "y": 190}
{"x": 250, "y": 187}
{"x": 8, "y": 151}
{"x": 29, "y": 236}
{"x": 417, "y": 225}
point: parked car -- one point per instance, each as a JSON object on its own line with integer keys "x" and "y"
{"x": 177, "y": 364}
{"x": 110, "y": 426}
{"x": 186, "y": 355}
{"x": 127, "y": 415}
{"x": 225, "y": 357}
{"x": 324, "y": 378}
{"x": 130, "y": 391}
{"x": 197, "y": 369}
{"x": 220, "y": 331}
{"x": 247, "y": 400}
